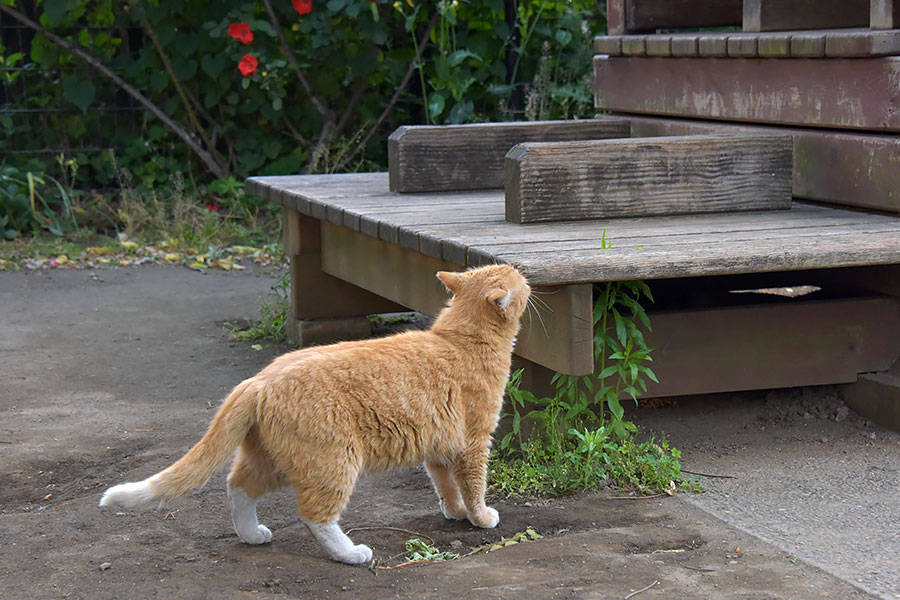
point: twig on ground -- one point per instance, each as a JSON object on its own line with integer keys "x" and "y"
{"x": 632, "y": 594}
{"x": 407, "y": 563}
{"x": 708, "y": 475}
{"x": 635, "y": 497}
{"x": 376, "y": 528}
{"x": 700, "y": 569}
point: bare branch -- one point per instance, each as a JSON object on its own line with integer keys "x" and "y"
{"x": 393, "y": 101}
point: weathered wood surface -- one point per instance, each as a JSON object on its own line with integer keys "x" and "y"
{"x": 804, "y": 237}
{"x": 469, "y": 157}
{"x": 846, "y": 43}
{"x": 647, "y": 177}
{"x": 853, "y": 169}
{"x": 884, "y": 14}
{"x": 562, "y": 338}
{"x": 841, "y": 93}
{"x": 771, "y": 15}
{"x": 772, "y": 345}
{"x": 630, "y": 16}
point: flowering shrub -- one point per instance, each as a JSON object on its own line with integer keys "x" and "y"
{"x": 282, "y": 86}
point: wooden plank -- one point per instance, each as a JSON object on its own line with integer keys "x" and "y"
{"x": 742, "y": 46}
{"x": 773, "y": 15}
{"x": 615, "y": 17}
{"x": 785, "y": 344}
{"x": 634, "y": 45}
{"x": 684, "y": 45}
{"x": 647, "y": 177}
{"x": 658, "y": 45}
{"x": 466, "y": 157}
{"x": 808, "y": 45}
{"x": 650, "y": 15}
{"x": 714, "y": 44}
{"x": 841, "y": 93}
{"x": 701, "y": 259}
{"x": 563, "y": 343}
{"x": 840, "y": 167}
{"x": 774, "y": 45}
{"x": 884, "y": 14}
{"x": 862, "y": 43}
{"x": 608, "y": 44}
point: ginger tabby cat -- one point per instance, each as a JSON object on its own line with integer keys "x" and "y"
{"x": 318, "y": 418}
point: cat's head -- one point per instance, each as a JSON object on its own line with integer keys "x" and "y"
{"x": 498, "y": 292}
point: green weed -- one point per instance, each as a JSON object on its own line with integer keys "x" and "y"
{"x": 274, "y": 310}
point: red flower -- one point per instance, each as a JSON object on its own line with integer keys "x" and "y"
{"x": 241, "y": 32}
{"x": 248, "y": 65}
{"x": 213, "y": 207}
{"x": 304, "y": 7}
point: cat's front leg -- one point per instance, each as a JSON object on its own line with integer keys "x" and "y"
{"x": 450, "y": 500}
{"x": 470, "y": 472}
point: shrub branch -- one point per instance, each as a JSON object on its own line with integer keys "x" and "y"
{"x": 205, "y": 157}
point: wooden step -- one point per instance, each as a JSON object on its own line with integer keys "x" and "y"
{"x": 440, "y": 158}
{"x": 647, "y": 177}
{"x": 774, "y": 15}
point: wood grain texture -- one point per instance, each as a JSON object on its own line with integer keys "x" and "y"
{"x": 468, "y": 157}
{"x": 773, "y": 15}
{"x": 884, "y": 14}
{"x": 650, "y": 15}
{"x": 647, "y": 177}
{"x": 841, "y": 93}
{"x": 803, "y": 238}
{"x": 615, "y": 17}
{"x": 836, "y": 43}
{"x": 848, "y": 168}
{"x": 772, "y": 345}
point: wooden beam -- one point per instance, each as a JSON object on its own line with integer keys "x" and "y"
{"x": 562, "y": 342}
{"x": 848, "y": 168}
{"x": 773, "y": 15}
{"x": 785, "y": 344}
{"x": 470, "y": 157}
{"x": 840, "y": 93}
{"x": 633, "y": 16}
{"x": 647, "y": 177}
{"x": 884, "y": 14}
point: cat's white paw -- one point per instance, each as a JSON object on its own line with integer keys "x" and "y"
{"x": 358, "y": 555}
{"x": 489, "y": 519}
{"x": 262, "y": 535}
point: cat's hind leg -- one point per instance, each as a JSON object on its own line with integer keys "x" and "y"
{"x": 252, "y": 476}
{"x": 322, "y": 494}
{"x": 449, "y": 498}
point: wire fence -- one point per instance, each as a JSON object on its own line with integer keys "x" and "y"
{"x": 38, "y": 116}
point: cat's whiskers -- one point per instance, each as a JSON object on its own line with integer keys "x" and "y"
{"x": 532, "y": 304}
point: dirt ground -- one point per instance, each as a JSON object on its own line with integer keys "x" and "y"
{"x": 108, "y": 376}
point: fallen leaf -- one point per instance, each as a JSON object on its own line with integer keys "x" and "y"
{"x": 256, "y": 347}
{"x": 130, "y": 246}
{"x": 47, "y": 497}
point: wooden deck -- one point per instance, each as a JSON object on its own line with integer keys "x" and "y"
{"x": 469, "y": 229}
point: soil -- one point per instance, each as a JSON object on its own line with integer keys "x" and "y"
{"x": 111, "y": 375}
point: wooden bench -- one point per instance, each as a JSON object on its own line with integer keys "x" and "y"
{"x": 358, "y": 248}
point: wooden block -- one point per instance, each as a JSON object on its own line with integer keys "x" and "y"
{"x": 608, "y": 44}
{"x": 713, "y": 44}
{"x": 684, "y": 45}
{"x": 859, "y": 93}
{"x": 742, "y": 46}
{"x": 469, "y": 157}
{"x": 647, "y": 177}
{"x": 326, "y": 331}
{"x": 849, "y": 168}
{"x": 774, "y": 15}
{"x": 650, "y": 15}
{"x": 772, "y": 345}
{"x": 863, "y": 43}
{"x": 563, "y": 343}
{"x": 634, "y": 45}
{"x": 301, "y": 233}
{"x": 774, "y": 45}
{"x": 808, "y": 45}
{"x": 884, "y": 14}
{"x": 659, "y": 45}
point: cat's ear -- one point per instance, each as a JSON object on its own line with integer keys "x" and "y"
{"x": 500, "y": 298}
{"x": 450, "y": 280}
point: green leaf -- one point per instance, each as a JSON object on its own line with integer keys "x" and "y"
{"x": 460, "y": 112}
{"x": 184, "y": 69}
{"x": 436, "y": 103}
{"x": 56, "y": 10}
{"x": 456, "y": 58}
{"x": 213, "y": 64}
{"x": 79, "y": 92}
{"x": 563, "y": 37}
{"x": 606, "y": 372}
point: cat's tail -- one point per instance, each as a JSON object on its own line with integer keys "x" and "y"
{"x": 228, "y": 428}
